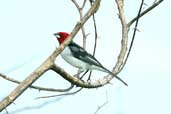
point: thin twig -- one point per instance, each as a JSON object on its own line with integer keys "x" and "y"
{"x": 156, "y": 3}
{"x": 96, "y": 36}
{"x": 95, "y": 31}
{"x": 80, "y": 10}
{"x": 64, "y": 94}
{"x": 101, "y": 106}
{"x": 83, "y": 4}
{"x": 133, "y": 36}
{"x": 95, "y": 39}
{"x": 37, "y": 87}
{"x": 6, "y": 111}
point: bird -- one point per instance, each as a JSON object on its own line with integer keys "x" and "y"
{"x": 79, "y": 57}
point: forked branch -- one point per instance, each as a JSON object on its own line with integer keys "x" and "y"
{"x": 48, "y": 63}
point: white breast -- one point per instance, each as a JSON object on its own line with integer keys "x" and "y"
{"x": 67, "y": 56}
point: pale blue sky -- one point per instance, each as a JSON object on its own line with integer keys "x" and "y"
{"x": 26, "y": 37}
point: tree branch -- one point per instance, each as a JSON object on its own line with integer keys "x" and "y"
{"x": 25, "y": 84}
{"x": 48, "y": 62}
{"x": 102, "y": 105}
{"x": 74, "y": 80}
{"x": 71, "y": 93}
{"x": 124, "y": 40}
{"x": 133, "y": 37}
{"x": 37, "y": 87}
{"x": 136, "y": 19}
{"x": 144, "y": 12}
{"x": 80, "y": 10}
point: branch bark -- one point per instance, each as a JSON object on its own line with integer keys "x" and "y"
{"x": 124, "y": 40}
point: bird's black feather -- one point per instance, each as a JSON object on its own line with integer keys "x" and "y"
{"x": 83, "y": 55}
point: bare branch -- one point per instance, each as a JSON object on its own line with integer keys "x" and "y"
{"x": 25, "y": 84}
{"x": 6, "y": 111}
{"x": 75, "y": 80}
{"x": 80, "y": 10}
{"x": 64, "y": 94}
{"x": 48, "y": 63}
{"x": 37, "y": 87}
{"x": 81, "y": 83}
{"x": 101, "y": 106}
{"x": 95, "y": 31}
{"x": 133, "y": 37}
{"x": 137, "y": 19}
{"x": 124, "y": 41}
{"x": 83, "y": 4}
{"x": 156, "y": 3}
{"x": 95, "y": 39}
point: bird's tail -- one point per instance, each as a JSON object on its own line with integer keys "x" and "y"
{"x": 111, "y": 73}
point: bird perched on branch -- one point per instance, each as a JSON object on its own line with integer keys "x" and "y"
{"x": 80, "y": 58}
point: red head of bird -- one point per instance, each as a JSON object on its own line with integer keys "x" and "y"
{"x": 61, "y": 36}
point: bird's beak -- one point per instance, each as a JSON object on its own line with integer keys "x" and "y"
{"x": 55, "y": 34}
